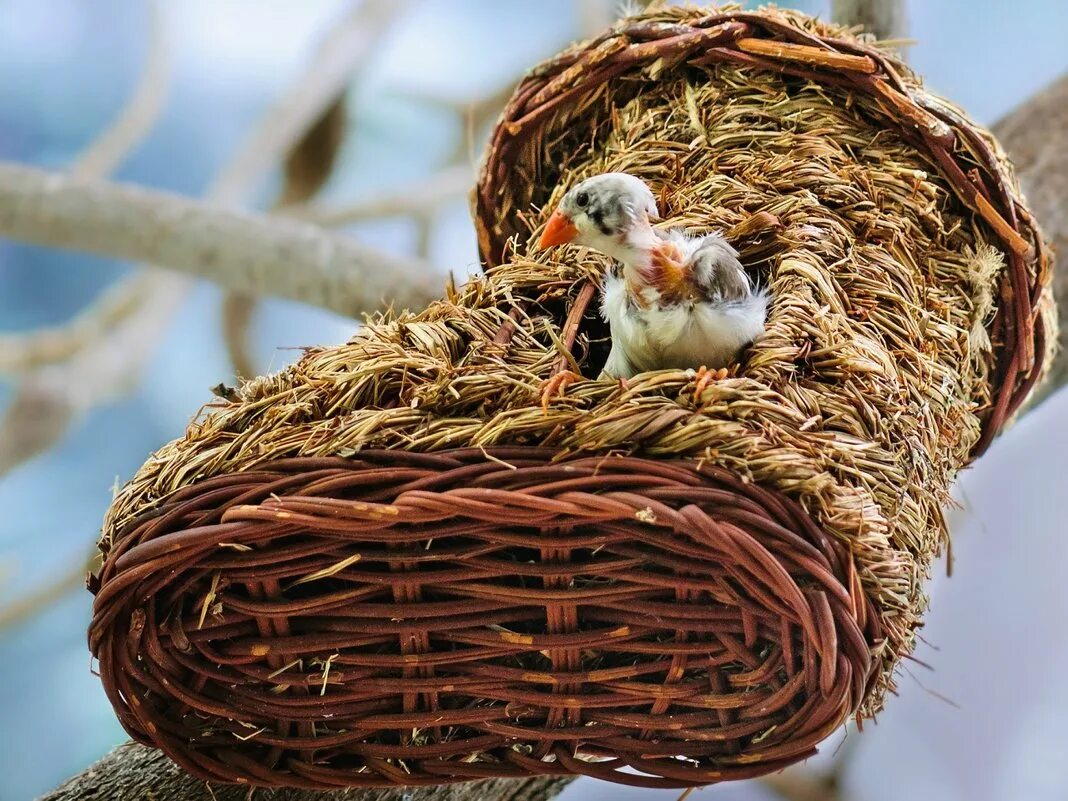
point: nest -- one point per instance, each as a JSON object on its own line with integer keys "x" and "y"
{"x": 388, "y": 565}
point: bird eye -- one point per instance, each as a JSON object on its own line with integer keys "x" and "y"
{"x": 582, "y": 199}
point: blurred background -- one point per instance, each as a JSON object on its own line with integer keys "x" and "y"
{"x": 981, "y": 718}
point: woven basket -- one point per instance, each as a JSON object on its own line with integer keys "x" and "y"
{"x": 388, "y": 565}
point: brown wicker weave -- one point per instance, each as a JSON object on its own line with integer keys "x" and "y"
{"x": 388, "y": 565}
{"x": 458, "y": 631}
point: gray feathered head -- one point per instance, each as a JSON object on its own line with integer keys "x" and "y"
{"x": 601, "y": 210}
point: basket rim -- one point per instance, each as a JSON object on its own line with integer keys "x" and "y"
{"x": 766, "y": 40}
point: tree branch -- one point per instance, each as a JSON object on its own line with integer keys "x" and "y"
{"x": 1035, "y": 135}
{"x": 22, "y": 351}
{"x": 99, "y": 355}
{"x": 307, "y": 168}
{"x": 884, "y": 18}
{"x": 48, "y": 400}
{"x": 134, "y": 773}
{"x": 235, "y": 315}
{"x": 247, "y": 252}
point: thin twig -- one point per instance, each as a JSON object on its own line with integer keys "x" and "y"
{"x": 48, "y": 399}
{"x": 476, "y": 114}
{"x": 139, "y": 115}
{"x": 421, "y": 197}
{"x": 21, "y": 352}
{"x": 51, "y": 591}
{"x": 343, "y": 51}
{"x": 348, "y": 45}
{"x": 307, "y": 168}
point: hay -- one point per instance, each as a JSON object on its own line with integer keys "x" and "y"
{"x": 891, "y": 355}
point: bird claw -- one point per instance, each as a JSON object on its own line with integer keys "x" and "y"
{"x": 556, "y": 386}
{"x": 706, "y": 377}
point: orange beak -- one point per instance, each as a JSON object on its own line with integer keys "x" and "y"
{"x": 558, "y": 231}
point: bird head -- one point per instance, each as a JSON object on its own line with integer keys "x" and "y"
{"x": 610, "y": 213}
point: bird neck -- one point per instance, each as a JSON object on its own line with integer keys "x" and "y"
{"x": 634, "y": 249}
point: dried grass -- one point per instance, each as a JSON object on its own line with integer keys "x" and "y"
{"x": 862, "y": 401}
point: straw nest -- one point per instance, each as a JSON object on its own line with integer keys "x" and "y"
{"x": 387, "y": 565}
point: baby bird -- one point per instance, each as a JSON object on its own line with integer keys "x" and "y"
{"x": 674, "y": 300}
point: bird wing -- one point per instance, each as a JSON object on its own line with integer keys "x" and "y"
{"x": 718, "y": 271}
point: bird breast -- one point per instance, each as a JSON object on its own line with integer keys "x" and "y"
{"x": 681, "y": 335}
{"x": 666, "y": 277}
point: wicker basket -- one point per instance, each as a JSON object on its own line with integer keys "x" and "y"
{"x": 388, "y": 565}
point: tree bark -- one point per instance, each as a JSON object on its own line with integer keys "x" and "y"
{"x": 1035, "y": 135}
{"x": 257, "y": 254}
{"x": 133, "y": 772}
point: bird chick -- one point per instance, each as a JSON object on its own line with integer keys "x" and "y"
{"x": 674, "y": 300}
